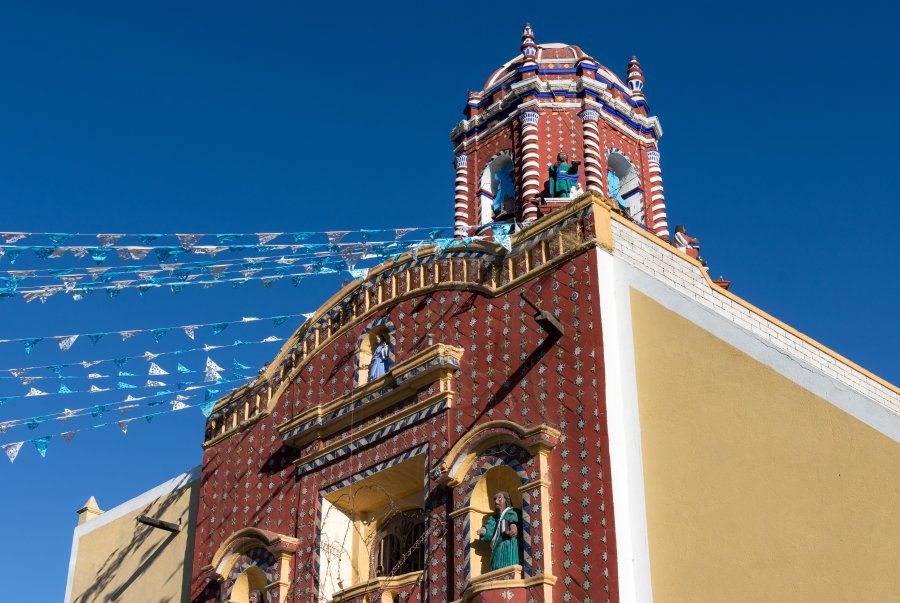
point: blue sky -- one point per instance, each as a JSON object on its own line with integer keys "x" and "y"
{"x": 779, "y": 153}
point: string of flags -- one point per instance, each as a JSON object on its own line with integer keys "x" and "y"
{"x": 65, "y": 342}
{"x": 329, "y": 258}
{"x": 155, "y": 373}
{"x": 111, "y": 240}
{"x": 130, "y": 402}
{"x": 24, "y": 376}
{"x": 189, "y": 243}
{"x": 338, "y": 252}
{"x": 42, "y": 444}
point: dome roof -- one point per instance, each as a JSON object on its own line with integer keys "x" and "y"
{"x": 549, "y": 56}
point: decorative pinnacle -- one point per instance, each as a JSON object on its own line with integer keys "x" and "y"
{"x": 529, "y": 49}
{"x": 635, "y": 78}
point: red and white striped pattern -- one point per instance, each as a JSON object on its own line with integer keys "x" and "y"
{"x": 593, "y": 172}
{"x": 656, "y": 214}
{"x": 531, "y": 165}
{"x": 461, "y": 209}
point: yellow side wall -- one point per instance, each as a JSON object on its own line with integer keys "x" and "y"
{"x": 756, "y": 489}
{"x": 128, "y": 561}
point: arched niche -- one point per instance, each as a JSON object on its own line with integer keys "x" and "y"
{"x": 250, "y": 580}
{"x": 497, "y": 188}
{"x": 368, "y": 342}
{"x": 253, "y": 559}
{"x": 624, "y": 184}
{"x": 501, "y": 478}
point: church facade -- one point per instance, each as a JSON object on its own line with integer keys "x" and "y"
{"x": 655, "y": 435}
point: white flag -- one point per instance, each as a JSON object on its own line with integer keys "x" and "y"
{"x": 66, "y": 342}
{"x": 212, "y": 370}
{"x": 265, "y": 237}
{"x": 155, "y": 369}
{"x": 107, "y": 240}
{"x": 12, "y": 450}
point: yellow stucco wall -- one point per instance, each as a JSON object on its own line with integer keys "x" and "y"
{"x": 756, "y": 489}
{"x": 128, "y": 561}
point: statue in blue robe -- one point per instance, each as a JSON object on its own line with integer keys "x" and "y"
{"x": 380, "y": 359}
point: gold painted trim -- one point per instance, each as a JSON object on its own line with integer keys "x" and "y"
{"x": 375, "y": 584}
{"x": 390, "y": 419}
{"x": 461, "y": 456}
{"x": 488, "y": 581}
{"x": 403, "y": 390}
{"x": 251, "y": 536}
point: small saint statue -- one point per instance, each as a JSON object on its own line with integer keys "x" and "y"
{"x": 380, "y": 360}
{"x": 504, "y": 201}
{"x": 502, "y": 531}
{"x": 686, "y": 243}
{"x": 257, "y": 597}
{"x": 563, "y": 176}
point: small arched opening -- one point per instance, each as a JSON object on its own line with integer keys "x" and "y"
{"x": 251, "y": 582}
{"x": 497, "y": 189}
{"x": 624, "y": 185}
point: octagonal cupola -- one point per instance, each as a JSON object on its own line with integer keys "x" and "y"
{"x": 547, "y": 126}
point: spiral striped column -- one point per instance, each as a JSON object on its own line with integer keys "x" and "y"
{"x": 593, "y": 172}
{"x": 531, "y": 164}
{"x": 461, "y": 207}
{"x": 656, "y": 214}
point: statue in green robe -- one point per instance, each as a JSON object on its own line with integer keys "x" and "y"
{"x": 502, "y": 531}
{"x": 563, "y": 176}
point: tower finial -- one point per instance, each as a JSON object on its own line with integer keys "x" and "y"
{"x": 635, "y": 78}
{"x": 529, "y": 49}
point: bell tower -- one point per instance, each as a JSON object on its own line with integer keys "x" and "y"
{"x": 549, "y": 125}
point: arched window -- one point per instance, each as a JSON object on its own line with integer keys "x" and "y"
{"x": 497, "y": 188}
{"x": 398, "y": 545}
{"x": 623, "y": 185}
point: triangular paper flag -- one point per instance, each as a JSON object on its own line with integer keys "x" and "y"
{"x": 30, "y": 343}
{"x": 189, "y": 331}
{"x": 187, "y": 240}
{"x": 42, "y": 444}
{"x": 155, "y": 369}
{"x": 12, "y": 450}
{"x": 159, "y": 333}
{"x": 108, "y": 240}
{"x": 68, "y": 435}
{"x": 66, "y": 342}
{"x": 265, "y": 237}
